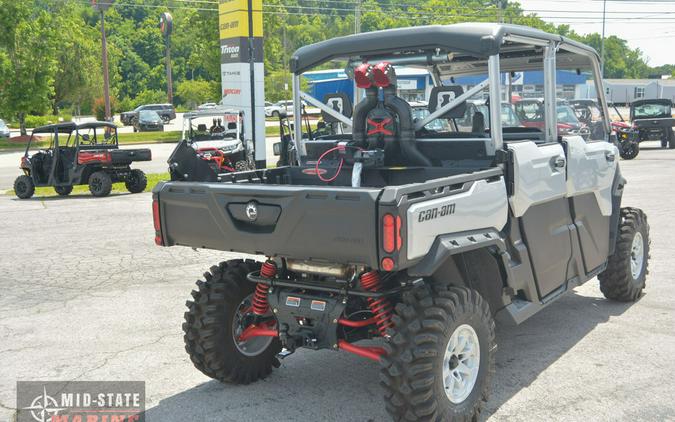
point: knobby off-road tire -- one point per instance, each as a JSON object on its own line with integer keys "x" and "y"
{"x": 208, "y": 326}
{"x": 136, "y": 181}
{"x": 100, "y": 184}
{"x": 63, "y": 190}
{"x": 24, "y": 187}
{"x": 622, "y": 281}
{"x": 630, "y": 150}
{"x": 412, "y": 373}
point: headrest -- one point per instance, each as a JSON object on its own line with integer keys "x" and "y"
{"x": 339, "y": 102}
{"x": 442, "y": 95}
{"x": 201, "y": 127}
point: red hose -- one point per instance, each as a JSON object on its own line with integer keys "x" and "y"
{"x": 337, "y": 173}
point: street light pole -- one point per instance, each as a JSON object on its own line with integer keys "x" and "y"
{"x": 602, "y": 41}
{"x": 106, "y": 76}
{"x": 166, "y": 26}
{"x": 101, "y": 6}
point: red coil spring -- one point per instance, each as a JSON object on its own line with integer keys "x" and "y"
{"x": 260, "y": 304}
{"x": 381, "y": 308}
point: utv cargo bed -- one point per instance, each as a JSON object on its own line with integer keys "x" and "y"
{"x": 302, "y": 222}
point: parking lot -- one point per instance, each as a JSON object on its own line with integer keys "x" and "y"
{"x": 86, "y": 295}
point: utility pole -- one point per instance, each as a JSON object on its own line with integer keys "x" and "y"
{"x": 166, "y": 26}
{"x": 101, "y": 6}
{"x": 357, "y": 17}
{"x": 602, "y": 41}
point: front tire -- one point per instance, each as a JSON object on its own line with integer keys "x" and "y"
{"x": 100, "y": 184}
{"x": 63, "y": 190}
{"x": 24, "y": 187}
{"x": 209, "y": 327}
{"x": 441, "y": 356}
{"x": 671, "y": 141}
{"x": 629, "y": 150}
{"x": 627, "y": 269}
{"x": 136, "y": 181}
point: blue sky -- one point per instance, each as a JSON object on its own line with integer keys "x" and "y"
{"x": 648, "y": 25}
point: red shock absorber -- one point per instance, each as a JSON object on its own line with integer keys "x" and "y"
{"x": 381, "y": 308}
{"x": 260, "y": 304}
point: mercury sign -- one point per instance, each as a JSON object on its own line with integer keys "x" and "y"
{"x": 241, "y": 66}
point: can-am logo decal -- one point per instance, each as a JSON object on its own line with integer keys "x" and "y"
{"x": 252, "y": 211}
{"x": 434, "y": 213}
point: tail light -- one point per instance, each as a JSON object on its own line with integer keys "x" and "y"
{"x": 392, "y": 240}
{"x": 158, "y": 225}
{"x": 388, "y": 233}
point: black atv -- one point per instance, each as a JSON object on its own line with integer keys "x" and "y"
{"x": 77, "y": 155}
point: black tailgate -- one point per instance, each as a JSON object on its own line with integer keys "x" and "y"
{"x": 302, "y": 222}
{"x": 126, "y": 156}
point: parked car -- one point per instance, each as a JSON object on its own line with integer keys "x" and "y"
{"x": 166, "y": 111}
{"x": 4, "y": 130}
{"x": 273, "y": 110}
{"x": 148, "y": 121}
{"x": 207, "y": 106}
{"x": 531, "y": 113}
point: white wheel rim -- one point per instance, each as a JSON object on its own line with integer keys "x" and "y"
{"x": 637, "y": 255}
{"x": 461, "y": 363}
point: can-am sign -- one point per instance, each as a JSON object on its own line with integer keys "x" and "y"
{"x": 80, "y": 401}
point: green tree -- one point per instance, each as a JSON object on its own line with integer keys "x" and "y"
{"x": 193, "y": 93}
{"x": 29, "y": 60}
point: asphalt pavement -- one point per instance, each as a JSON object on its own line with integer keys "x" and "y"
{"x": 86, "y": 295}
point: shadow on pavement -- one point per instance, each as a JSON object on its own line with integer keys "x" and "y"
{"x": 336, "y": 386}
{"x": 68, "y": 197}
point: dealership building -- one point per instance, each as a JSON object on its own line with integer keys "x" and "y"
{"x": 415, "y": 84}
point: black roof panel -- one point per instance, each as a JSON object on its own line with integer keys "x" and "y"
{"x": 475, "y": 39}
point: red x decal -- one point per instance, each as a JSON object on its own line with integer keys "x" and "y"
{"x": 379, "y": 127}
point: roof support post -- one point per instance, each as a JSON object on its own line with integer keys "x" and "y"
{"x": 550, "y": 100}
{"x": 494, "y": 77}
{"x": 297, "y": 120}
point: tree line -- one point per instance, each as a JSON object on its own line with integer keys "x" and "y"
{"x": 50, "y": 50}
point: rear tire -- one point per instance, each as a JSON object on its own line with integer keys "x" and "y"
{"x": 671, "y": 141}
{"x": 63, "y": 190}
{"x": 100, "y": 184}
{"x": 418, "y": 375}
{"x": 136, "y": 181}
{"x": 630, "y": 150}
{"x": 208, "y": 327}
{"x": 627, "y": 269}
{"x": 24, "y": 187}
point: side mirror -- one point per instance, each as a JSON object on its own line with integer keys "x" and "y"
{"x": 277, "y": 148}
